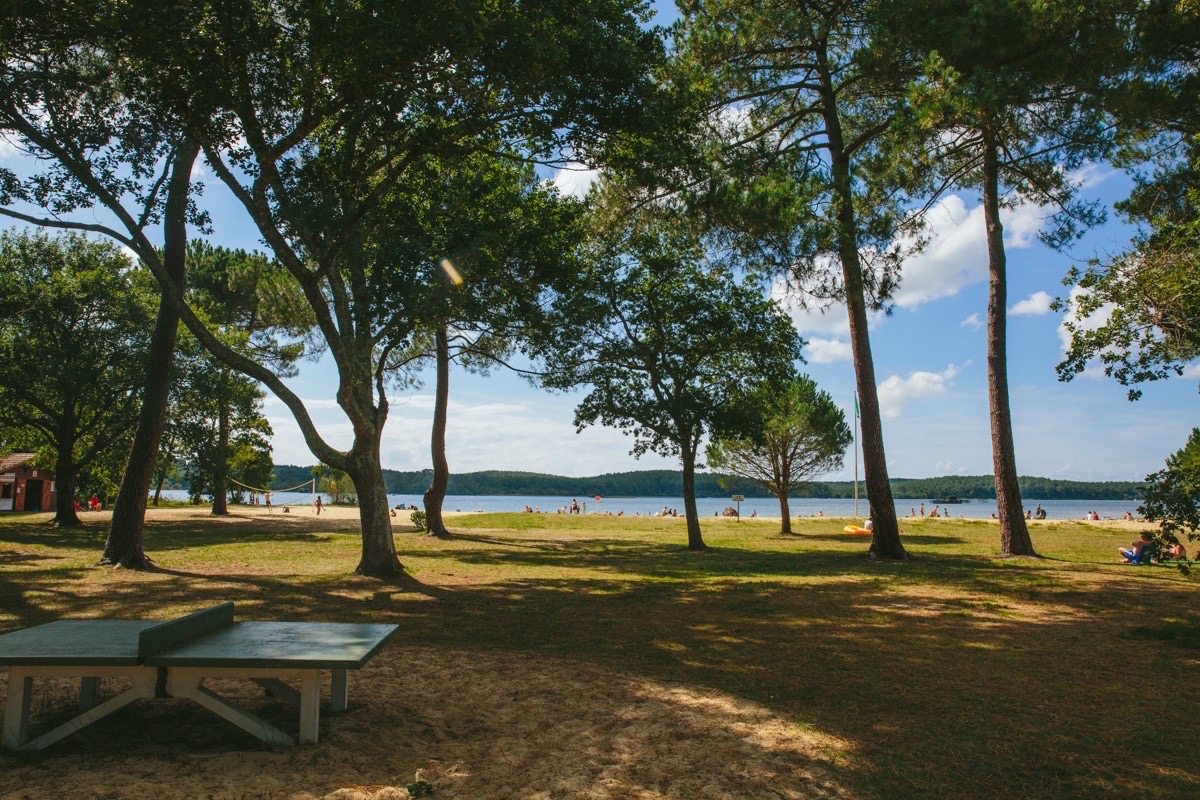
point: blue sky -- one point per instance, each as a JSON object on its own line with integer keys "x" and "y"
{"x": 929, "y": 359}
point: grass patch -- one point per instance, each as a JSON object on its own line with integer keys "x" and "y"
{"x": 956, "y": 674}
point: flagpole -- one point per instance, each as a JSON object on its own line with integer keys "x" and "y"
{"x": 856, "y": 454}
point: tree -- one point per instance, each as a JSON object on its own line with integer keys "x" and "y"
{"x": 255, "y": 308}
{"x": 335, "y": 483}
{"x": 73, "y": 324}
{"x": 321, "y": 115}
{"x": 104, "y": 160}
{"x": 665, "y": 339}
{"x": 501, "y": 235}
{"x": 1137, "y": 313}
{"x": 1172, "y": 495}
{"x": 808, "y": 102}
{"x": 1010, "y": 96}
{"x": 804, "y": 434}
{"x": 217, "y": 428}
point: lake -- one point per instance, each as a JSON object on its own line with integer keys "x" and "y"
{"x": 707, "y": 506}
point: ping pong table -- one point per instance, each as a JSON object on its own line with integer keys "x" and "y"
{"x": 186, "y": 651}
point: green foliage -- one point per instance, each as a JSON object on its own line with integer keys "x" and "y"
{"x": 418, "y": 519}
{"x": 333, "y": 482}
{"x": 666, "y": 341}
{"x": 74, "y": 319}
{"x": 803, "y": 434}
{"x": 1172, "y": 497}
{"x": 1137, "y": 313}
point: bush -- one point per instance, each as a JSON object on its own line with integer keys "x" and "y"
{"x": 418, "y": 519}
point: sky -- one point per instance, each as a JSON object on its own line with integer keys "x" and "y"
{"x": 929, "y": 357}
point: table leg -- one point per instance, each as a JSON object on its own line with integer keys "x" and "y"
{"x": 16, "y": 708}
{"x": 89, "y": 693}
{"x": 339, "y": 690}
{"x": 310, "y": 706}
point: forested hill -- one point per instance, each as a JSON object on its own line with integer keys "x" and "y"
{"x": 667, "y": 483}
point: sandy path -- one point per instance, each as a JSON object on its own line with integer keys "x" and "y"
{"x": 472, "y": 725}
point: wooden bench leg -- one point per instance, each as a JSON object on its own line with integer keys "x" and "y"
{"x": 339, "y": 690}
{"x": 186, "y": 682}
{"x": 310, "y": 706}
{"x": 143, "y": 687}
{"x": 89, "y": 693}
{"x": 16, "y": 709}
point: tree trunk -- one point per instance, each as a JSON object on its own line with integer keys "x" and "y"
{"x": 695, "y": 540}
{"x": 436, "y": 494}
{"x": 378, "y": 549}
{"x": 1014, "y": 534}
{"x": 220, "y": 472}
{"x": 785, "y": 513}
{"x": 885, "y": 533}
{"x": 64, "y": 487}
{"x": 124, "y": 543}
{"x": 162, "y": 478}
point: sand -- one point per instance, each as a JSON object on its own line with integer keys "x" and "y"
{"x": 469, "y": 724}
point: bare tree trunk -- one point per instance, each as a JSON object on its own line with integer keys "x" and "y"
{"x": 1014, "y": 534}
{"x": 379, "y": 558}
{"x": 885, "y": 533}
{"x": 124, "y": 543}
{"x": 436, "y": 494}
{"x": 695, "y": 540}
{"x": 162, "y": 478}
{"x": 220, "y": 472}
{"x": 64, "y": 485}
{"x": 785, "y": 512}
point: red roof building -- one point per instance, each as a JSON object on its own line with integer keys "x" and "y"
{"x": 23, "y": 488}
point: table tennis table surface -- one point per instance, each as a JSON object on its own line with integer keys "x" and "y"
{"x": 296, "y": 645}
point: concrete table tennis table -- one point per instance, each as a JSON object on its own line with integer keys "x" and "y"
{"x": 189, "y": 650}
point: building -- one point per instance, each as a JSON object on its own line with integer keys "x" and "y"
{"x": 23, "y": 488}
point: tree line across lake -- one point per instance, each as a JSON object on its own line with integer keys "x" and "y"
{"x": 666, "y": 483}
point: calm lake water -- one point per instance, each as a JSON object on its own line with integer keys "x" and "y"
{"x": 762, "y": 507}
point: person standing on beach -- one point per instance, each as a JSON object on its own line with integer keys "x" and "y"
{"x": 318, "y": 505}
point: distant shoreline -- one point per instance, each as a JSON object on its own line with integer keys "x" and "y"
{"x": 667, "y": 483}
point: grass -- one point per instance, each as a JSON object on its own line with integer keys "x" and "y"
{"x": 956, "y": 674}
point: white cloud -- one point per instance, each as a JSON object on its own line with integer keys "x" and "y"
{"x": 955, "y": 255}
{"x": 198, "y": 169}
{"x": 827, "y": 351}
{"x": 896, "y": 393}
{"x": 575, "y": 179}
{"x": 1036, "y": 305}
{"x": 8, "y": 150}
{"x": 972, "y": 322}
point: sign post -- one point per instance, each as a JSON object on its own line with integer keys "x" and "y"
{"x": 738, "y": 498}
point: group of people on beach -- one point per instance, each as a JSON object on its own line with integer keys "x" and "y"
{"x": 945, "y": 512}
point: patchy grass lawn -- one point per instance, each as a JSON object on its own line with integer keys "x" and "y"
{"x": 552, "y": 656}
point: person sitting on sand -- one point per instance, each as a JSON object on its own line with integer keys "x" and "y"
{"x": 1128, "y": 517}
{"x": 934, "y": 514}
{"x": 1028, "y": 514}
{"x": 1135, "y": 549}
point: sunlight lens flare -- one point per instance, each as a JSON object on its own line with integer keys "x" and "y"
{"x": 451, "y": 272}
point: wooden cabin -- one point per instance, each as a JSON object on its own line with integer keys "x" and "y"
{"x": 23, "y": 488}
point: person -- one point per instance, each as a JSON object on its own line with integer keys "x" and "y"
{"x": 754, "y": 513}
{"x": 820, "y": 512}
{"x": 1039, "y": 512}
{"x": 76, "y": 503}
{"x": 574, "y": 506}
{"x": 583, "y": 509}
{"x": 1176, "y": 552}
{"x": 318, "y": 505}
{"x": 869, "y": 524}
{"x": 946, "y": 513}
{"x": 912, "y": 512}
{"x": 922, "y": 509}
{"x": 1135, "y": 549}
{"x": 1028, "y": 514}
{"x": 268, "y": 503}
{"x": 1128, "y": 517}
{"x": 994, "y": 515}
{"x": 933, "y": 514}
{"x": 94, "y": 502}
